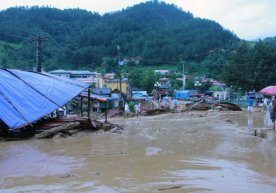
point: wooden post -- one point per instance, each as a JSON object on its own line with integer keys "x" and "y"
{"x": 262, "y": 133}
{"x": 106, "y": 111}
{"x": 81, "y": 106}
{"x": 88, "y": 110}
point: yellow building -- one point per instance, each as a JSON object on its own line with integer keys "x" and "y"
{"x": 115, "y": 84}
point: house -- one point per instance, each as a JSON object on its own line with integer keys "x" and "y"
{"x": 73, "y": 74}
{"x": 163, "y": 90}
{"x": 81, "y": 75}
{"x": 115, "y": 84}
{"x": 98, "y": 80}
{"x": 163, "y": 72}
{"x": 109, "y": 76}
{"x": 165, "y": 81}
{"x": 139, "y": 95}
{"x": 102, "y": 91}
{"x": 97, "y": 105}
{"x": 220, "y": 95}
{"x": 118, "y": 101}
{"x": 165, "y": 85}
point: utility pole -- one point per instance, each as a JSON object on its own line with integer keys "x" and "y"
{"x": 39, "y": 40}
{"x": 119, "y": 69}
{"x": 183, "y": 79}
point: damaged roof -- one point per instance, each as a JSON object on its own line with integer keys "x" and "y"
{"x": 26, "y": 97}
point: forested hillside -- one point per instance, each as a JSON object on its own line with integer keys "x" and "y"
{"x": 79, "y": 39}
{"x": 63, "y": 29}
{"x": 251, "y": 67}
{"x": 270, "y": 40}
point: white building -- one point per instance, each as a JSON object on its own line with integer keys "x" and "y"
{"x": 73, "y": 74}
{"x": 163, "y": 72}
{"x": 80, "y": 75}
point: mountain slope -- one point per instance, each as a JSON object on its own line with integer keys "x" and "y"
{"x": 271, "y": 41}
{"x": 80, "y": 39}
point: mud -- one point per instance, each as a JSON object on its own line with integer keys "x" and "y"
{"x": 175, "y": 152}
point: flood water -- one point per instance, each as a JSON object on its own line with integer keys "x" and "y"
{"x": 180, "y": 152}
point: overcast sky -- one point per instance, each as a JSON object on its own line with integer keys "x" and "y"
{"x": 249, "y": 19}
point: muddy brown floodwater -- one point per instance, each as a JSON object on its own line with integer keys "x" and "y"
{"x": 180, "y": 152}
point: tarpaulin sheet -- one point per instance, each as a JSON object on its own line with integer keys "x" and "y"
{"x": 25, "y": 97}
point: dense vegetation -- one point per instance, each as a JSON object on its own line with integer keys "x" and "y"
{"x": 270, "y": 40}
{"x": 148, "y": 32}
{"x": 145, "y": 35}
{"x": 63, "y": 29}
{"x": 252, "y": 67}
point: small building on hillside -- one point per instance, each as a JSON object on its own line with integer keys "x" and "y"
{"x": 163, "y": 72}
{"x": 109, "y": 76}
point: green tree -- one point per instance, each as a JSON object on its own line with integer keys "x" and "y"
{"x": 134, "y": 78}
{"x": 251, "y": 68}
{"x": 148, "y": 80}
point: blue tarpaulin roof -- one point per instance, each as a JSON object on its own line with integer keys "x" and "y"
{"x": 25, "y": 97}
{"x": 182, "y": 94}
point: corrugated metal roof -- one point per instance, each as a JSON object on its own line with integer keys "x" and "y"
{"x": 73, "y": 72}
{"x": 102, "y": 91}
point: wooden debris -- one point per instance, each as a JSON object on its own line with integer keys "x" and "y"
{"x": 195, "y": 106}
{"x": 105, "y": 154}
{"x": 229, "y": 106}
{"x": 220, "y": 108}
{"x": 53, "y": 131}
{"x": 228, "y": 120}
{"x": 204, "y": 106}
{"x": 156, "y": 111}
{"x": 114, "y": 113}
{"x": 115, "y": 125}
{"x": 67, "y": 176}
{"x": 67, "y": 127}
{"x": 169, "y": 188}
{"x": 49, "y": 123}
